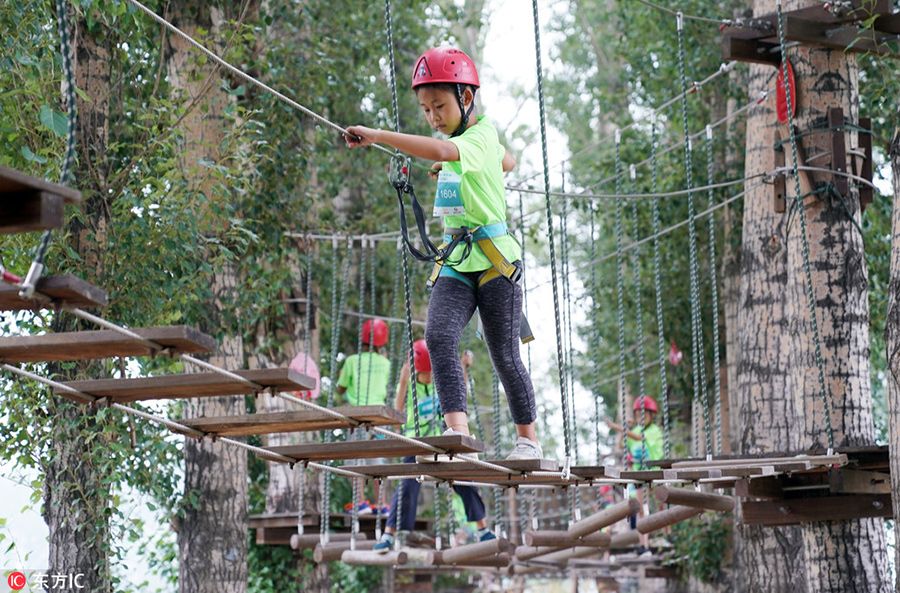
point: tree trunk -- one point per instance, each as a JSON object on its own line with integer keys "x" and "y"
{"x": 892, "y": 347}
{"x": 76, "y": 500}
{"x": 843, "y": 555}
{"x": 212, "y": 535}
{"x": 771, "y": 557}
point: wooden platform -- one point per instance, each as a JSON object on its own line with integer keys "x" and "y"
{"x": 188, "y": 385}
{"x": 375, "y": 448}
{"x": 32, "y": 204}
{"x": 468, "y": 471}
{"x": 102, "y": 344}
{"x": 61, "y": 291}
{"x": 276, "y": 529}
{"x": 303, "y": 420}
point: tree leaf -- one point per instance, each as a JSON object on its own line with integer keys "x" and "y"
{"x": 55, "y": 121}
{"x": 26, "y": 152}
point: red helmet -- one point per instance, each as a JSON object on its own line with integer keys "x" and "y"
{"x": 445, "y": 64}
{"x": 381, "y": 332}
{"x": 423, "y": 359}
{"x": 649, "y": 404}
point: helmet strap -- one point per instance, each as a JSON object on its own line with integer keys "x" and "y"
{"x": 462, "y": 109}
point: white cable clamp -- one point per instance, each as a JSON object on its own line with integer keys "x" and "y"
{"x": 567, "y": 468}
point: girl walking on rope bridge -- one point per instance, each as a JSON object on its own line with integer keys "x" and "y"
{"x": 483, "y": 269}
{"x": 406, "y": 497}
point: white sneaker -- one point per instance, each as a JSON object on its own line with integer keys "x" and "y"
{"x": 444, "y": 457}
{"x": 526, "y": 449}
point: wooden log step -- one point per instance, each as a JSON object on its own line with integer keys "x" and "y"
{"x": 102, "y": 344}
{"x": 32, "y": 204}
{"x": 625, "y": 539}
{"x": 62, "y": 291}
{"x": 692, "y": 498}
{"x": 561, "y": 538}
{"x": 301, "y": 420}
{"x": 376, "y": 448}
{"x": 612, "y": 514}
{"x": 368, "y": 558}
{"x": 462, "y": 554}
{"x": 670, "y": 516}
{"x": 496, "y": 560}
{"x": 334, "y": 550}
{"x": 463, "y": 470}
{"x": 808, "y": 460}
{"x": 188, "y": 385}
{"x": 309, "y": 541}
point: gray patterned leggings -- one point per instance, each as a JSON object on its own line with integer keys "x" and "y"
{"x": 499, "y": 303}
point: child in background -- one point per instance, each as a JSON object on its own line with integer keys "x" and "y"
{"x": 483, "y": 270}
{"x": 429, "y": 425}
{"x": 363, "y": 379}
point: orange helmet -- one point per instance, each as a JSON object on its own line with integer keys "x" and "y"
{"x": 445, "y": 64}
{"x": 376, "y": 336}
{"x": 649, "y": 404}
{"x": 422, "y": 358}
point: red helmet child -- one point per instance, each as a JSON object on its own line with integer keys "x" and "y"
{"x": 448, "y": 65}
{"x": 377, "y": 335}
{"x": 649, "y": 404}
{"x": 422, "y": 358}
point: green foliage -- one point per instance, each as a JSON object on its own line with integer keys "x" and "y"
{"x": 701, "y": 544}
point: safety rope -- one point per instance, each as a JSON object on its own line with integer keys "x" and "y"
{"x": 553, "y": 264}
{"x": 595, "y": 338}
{"x": 714, "y": 291}
{"x": 638, "y": 315}
{"x": 657, "y": 285}
{"x": 700, "y": 397}
{"x": 26, "y": 288}
{"x": 524, "y": 277}
{"x": 620, "y": 304}
{"x": 820, "y": 366}
{"x": 359, "y": 335}
{"x": 567, "y": 318}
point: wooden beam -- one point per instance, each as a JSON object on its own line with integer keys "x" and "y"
{"x": 378, "y": 448}
{"x": 625, "y": 539}
{"x": 60, "y": 291}
{"x": 859, "y": 482}
{"x": 562, "y": 538}
{"x": 811, "y": 510}
{"x": 275, "y": 536}
{"x": 460, "y": 470}
{"x": 334, "y": 550}
{"x": 308, "y": 541}
{"x": 844, "y": 37}
{"x": 369, "y": 558}
{"x": 750, "y": 50}
{"x": 298, "y": 421}
{"x": 102, "y": 344}
{"x": 462, "y": 554}
{"x": 763, "y": 487}
{"x": 32, "y": 204}
{"x": 498, "y": 560}
{"x": 189, "y": 385}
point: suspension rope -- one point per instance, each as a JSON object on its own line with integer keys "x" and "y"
{"x": 553, "y": 264}
{"x": 639, "y": 314}
{"x": 620, "y": 304}
{"x": 696, "y": 322}
{"x": 714, "y": 291}
{"x": 595, "y": 338}
{"x": 803, "y": 236}
{"x": 657, "y": 285}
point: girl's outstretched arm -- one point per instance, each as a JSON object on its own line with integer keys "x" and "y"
{"x": 422, "y": 147}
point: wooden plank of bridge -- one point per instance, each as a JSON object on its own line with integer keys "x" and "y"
{"x": 102, "y": 344}
{"x": 297, "y": 421}
{"x": 466, "y": 470}
{"x": 376, "y": 448}
{"x": 60, "y": 291}
{"x": 188, "y": 385}
{"x": 808, "y": 510}
{"x": 32, "y": 204}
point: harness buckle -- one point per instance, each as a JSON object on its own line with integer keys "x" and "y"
{"x": 399, "y": 175}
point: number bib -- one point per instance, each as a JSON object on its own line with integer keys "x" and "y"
{"x": 447, "y": 201}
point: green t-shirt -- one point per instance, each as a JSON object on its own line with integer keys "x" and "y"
{"x": 365, "y": 376}
{"x": 480, "y": 167}
{"x": 650, "y": 448}
{"x": 430, "y": 419}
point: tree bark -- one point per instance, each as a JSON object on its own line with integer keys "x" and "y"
{"x": 76, "y": 501}
{"x": 892, "y": 347}
{"x": 843, "y": 555}
{"x": 771, "y": 557}
{"x": 212, "y": 535}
